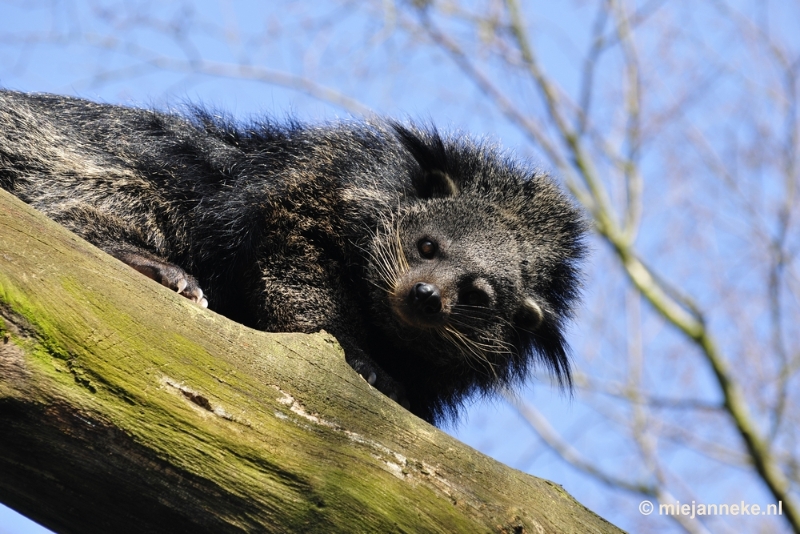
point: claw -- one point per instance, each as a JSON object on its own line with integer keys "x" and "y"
{"x": 182, "y": 283}
{"x": 167, "y": 274}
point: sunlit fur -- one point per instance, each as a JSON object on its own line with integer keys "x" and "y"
{"x": 291, "y": 227}
{"x": 468, "y": 348}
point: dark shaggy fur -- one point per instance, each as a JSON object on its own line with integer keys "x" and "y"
{"x": 443, "y": 267}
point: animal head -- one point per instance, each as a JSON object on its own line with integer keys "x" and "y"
{"x": 479, "y": 269}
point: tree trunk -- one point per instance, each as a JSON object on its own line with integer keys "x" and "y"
{"x": 126, "y": 408}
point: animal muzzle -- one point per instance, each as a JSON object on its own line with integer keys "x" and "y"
{"x": 425, "y": 300}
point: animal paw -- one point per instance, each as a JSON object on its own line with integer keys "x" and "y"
{"x": 167, "y": 274}
{"x": 380, "y": 380}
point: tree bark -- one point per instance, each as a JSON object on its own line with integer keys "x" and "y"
{"x": 126, "y": 408}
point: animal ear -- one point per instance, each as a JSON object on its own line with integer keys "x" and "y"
{"x": 529, "y": 315}
{"x": 428, "y": 150}
{"x": 436, "y": 183}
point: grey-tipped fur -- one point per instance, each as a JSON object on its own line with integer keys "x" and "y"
{"x": 443, "y": 267}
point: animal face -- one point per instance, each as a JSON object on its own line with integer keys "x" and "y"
{"x": 449, "y": 272}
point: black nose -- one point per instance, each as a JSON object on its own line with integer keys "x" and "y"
{"x": 425, "y": 298}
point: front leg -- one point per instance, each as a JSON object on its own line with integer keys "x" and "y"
{"x": 165, "y": 273}
{"x": 116, "y": 231}
{"x": 374, "y": 375}
{"x": 304, "y": 296}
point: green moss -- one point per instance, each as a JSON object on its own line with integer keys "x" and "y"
{"x": 109, "y": 350}
{"x": 308, "y": 490}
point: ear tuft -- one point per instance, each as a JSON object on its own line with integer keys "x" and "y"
{"x": 437, "y": 184}
{"x": 530, "y": 315}
{"x": 428, "y": 150}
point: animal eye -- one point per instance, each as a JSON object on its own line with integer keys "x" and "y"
{"x": 427, "y": 248}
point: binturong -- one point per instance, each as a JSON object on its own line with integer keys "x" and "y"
{"x": 444, "y": 268}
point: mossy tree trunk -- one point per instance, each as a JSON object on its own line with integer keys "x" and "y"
{"x": 125, "y": 408}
